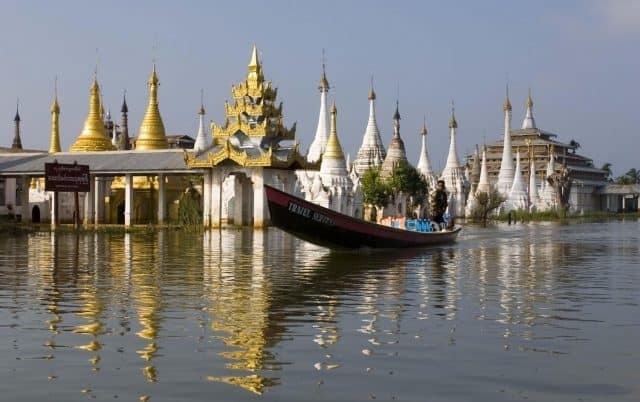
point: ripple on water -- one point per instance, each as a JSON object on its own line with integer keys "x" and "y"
{"x": 542, "y": 310}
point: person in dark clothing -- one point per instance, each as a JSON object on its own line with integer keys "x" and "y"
{"x": 438, "y": 204}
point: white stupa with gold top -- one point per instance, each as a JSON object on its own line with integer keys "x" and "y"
{"x": 372, "y": 151}
{"x": 518, "y": 198}
{"x": 456, "y": 183}
{"x": 547, "y": 197}
{"x": 319, "y": 143}
{"x": 424, "y": 164}
{"x": 332, "y": 186}
{"x": 483, "y": 185}
{"x": 506, "y": 173}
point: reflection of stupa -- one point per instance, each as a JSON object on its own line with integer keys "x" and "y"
{"x": 147, "y": 299}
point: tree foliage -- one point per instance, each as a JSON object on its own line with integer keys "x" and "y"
{"x": 189, "y": 210}
{"x": 374, "y": 189}
{"x": 378, "y": 190}
{"x": 486, "y": 203}
{"x": 561, "y": 183}
{"x": 631, "y": 177}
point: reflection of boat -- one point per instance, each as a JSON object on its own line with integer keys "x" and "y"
{"x": 325, "y": 227}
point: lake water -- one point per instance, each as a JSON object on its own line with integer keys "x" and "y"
{"x": 543, "y": 311}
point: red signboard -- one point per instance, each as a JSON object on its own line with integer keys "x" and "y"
{"x": 66, "y": 177}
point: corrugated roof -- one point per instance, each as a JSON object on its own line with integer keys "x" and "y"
{"x": 620, "y": 189}
{"x": 100, "y": 163}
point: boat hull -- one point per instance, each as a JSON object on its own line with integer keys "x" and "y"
{"x": 328, "y": 228}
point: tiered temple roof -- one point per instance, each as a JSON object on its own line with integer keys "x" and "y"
{"x": 254, "y": 133}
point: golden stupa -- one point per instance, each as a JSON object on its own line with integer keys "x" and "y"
{"x": 152, "y": 134}
{"x": 54, "y": 146}
{"x": 333, "y": 149}
{"x": 93, "y": 136}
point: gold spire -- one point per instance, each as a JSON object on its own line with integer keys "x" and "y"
{"x": 334, "y": 149}
{"x": 93, "y": 136}
{"x": 452, "y": 122}
{"x": 372, "y": 94}
{"x": 424, "y": 126}
{"x": 324, "y": 83}
{"x": 507, "y": 104}
{"x": 254, "y": 64}
{"x": 54, "y": 146}
{"x": 152, "y": 134}
{"x": 255, "y": 71}
{"x": 529, "y": 100}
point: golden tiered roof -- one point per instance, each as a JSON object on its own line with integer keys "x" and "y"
{"x": 255, "y": 121}
{"x": 93, "y": 136}
{"x": 152, "y": 134}
{"x": 254, "y": 111}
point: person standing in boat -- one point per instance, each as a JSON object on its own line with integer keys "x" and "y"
{"x": 438, "y": 204}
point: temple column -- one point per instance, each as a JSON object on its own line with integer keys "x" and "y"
{"x": 206, "y": 198}
{"x": 162, "y": 205}
{"x": 216, "y": 197}
{"x": 98, "y": 200}
{"x": 89, "y": 202}
{"x": 128, "y": 199}
{"x": 24, "y": 199}
{"x": 260, "y": 218}
{"x": 239, "y": 201}
{"x": 54, "y": 209}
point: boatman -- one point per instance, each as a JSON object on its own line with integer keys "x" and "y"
{"x": 438, "y": 204}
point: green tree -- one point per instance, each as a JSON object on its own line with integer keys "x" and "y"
{"x": 406, "y": 179}
{"x": 486, "y": 203}
{"x": 189, "y": 210}
{"x": 378, "y": 190}
{"x": 631, "y": 177}
{"x": 374, "y": 189}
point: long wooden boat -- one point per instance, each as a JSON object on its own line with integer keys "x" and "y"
{"x": 332, "y": 229}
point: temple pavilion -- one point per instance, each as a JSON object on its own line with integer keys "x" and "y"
{"x": 251, "y": 148}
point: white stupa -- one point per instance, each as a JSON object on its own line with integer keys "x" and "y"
{"x": 518, "y": 198}
{"x": 453, "y": 174}
{"x": 372, "y": 152}
{"x": 322, "y": 133}
{"x": 505, "y": 175}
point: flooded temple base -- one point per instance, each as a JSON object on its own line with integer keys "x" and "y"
{"x": 540, "y": 312}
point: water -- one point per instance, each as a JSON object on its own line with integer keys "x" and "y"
{"x": 528, "y": 312}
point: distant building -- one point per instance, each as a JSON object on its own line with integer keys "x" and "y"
{"x": 540, "y": 149}
{"x": 181, "y": 141}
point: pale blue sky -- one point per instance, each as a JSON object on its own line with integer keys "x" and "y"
{"x": 580, "y": 58}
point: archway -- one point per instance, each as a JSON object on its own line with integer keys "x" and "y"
{"x": 35, "y": 214}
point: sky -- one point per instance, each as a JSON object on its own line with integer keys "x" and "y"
{"x": 580, "y": 58}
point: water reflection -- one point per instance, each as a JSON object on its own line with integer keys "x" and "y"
{"x": 250, "y": 309}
